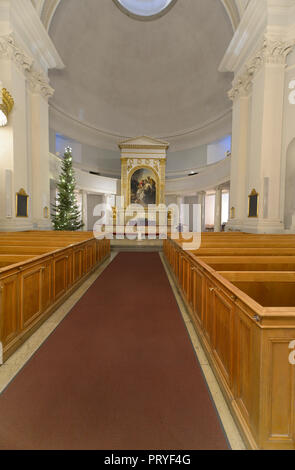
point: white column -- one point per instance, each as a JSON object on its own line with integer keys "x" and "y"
{"x": 218, "y": 209}
{"x": 240, "y": 133}
{"x": 257, "y": 138}
{"x": 40, "y": 159}
{"x": 84, "y": 210}
{"x": 180, "y": 202}
{"x": 264, "y": 161}
{"x": 26, "y": 55}
{"x": 202, "y": 201}
{"x": 14, "y": 149}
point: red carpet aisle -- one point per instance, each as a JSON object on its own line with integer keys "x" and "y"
{"x": 118, "y": 373}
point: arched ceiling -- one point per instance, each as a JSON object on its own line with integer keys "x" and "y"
{"x": 46, "y": 10}
{"x": 125, "y": 77}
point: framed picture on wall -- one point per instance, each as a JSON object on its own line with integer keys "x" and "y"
{"x": 22, "y": 200}
{"x": 253, "y": 204}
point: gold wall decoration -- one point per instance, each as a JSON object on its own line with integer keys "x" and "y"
{"x": 253, "y": 204}
{"x": 46, "y": 212}
{"x": 233, "y": 213}
{"x": 5, "y": 107}
{"x": 22, "y": 202}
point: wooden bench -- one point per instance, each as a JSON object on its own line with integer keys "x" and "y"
{"x": 250, "y": 263}
{"x": 34, "y": 284}
{"x": 245, "y": 320}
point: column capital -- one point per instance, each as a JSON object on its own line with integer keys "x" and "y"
{"x": 273, "y": 51}
{"x": 37, "y": 80}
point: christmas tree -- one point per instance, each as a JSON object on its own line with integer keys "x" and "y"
{"x": 65, "y": 212}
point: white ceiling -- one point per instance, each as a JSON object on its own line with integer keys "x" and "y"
{"x": 125, "y": 77}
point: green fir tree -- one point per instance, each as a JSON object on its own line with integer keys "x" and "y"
{"x": 65, "y": 212}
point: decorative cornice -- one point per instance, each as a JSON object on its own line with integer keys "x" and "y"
{"x": 272, "y": 52}
{"x": 37, "y": 80}
{"x": 9, "y": 50}
{"x": 143, "y": 142}
{"x": 39, "y": 84}
{"x": 135, "y": 162}
{"x": 140, "y": 147}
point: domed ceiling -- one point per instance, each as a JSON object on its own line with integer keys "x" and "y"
{"x": 125, "y": 77}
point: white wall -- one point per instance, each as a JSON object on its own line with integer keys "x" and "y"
{"x": 218, "y": 150}
{"x": 107, "y": 162}
{"x": 225, "y": 208}
{"x": 288, "y": 150}
{"x": 85, "y": 181}
{"x": 92, "y": 201}
{"x": 210, "y": 177}
{"x": 210, "y": 209}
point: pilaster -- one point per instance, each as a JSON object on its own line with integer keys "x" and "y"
{"x": 26, "y": 54}
{"x": 258, "y": 100}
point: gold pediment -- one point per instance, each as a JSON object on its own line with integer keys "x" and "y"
{"x": 143, "y": 142}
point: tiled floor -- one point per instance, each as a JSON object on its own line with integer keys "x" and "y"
{"x": 9, "y": 370}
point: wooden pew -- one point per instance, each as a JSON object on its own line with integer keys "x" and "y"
{"x": 33, "y": 285}
{"x": 25, "y": 249}
{"x": 246, "y": 323}
{"x": 250, "y": 263}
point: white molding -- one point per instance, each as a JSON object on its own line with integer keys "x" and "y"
{"x": 37, "y": 80}
{"x": 32, "y": 35}
{"x": 212, "y": 176}
{"x": 232, "y": 11}
{"x": 263, "y": 19}
{"x": 246, "y": 37}
{"x": 47, "y": 9}
{"x": 273, "y": 52}
{"x": 83, "y": 132}
{"x": 48, "y": 12}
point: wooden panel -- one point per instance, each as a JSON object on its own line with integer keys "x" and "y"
{"x": 209, "y": 311}
{"x": 77, "y": 264}
{"x": 89, "y": 256}
{"x": 280, "y": 390}
{"x": 31, "y": 295}
{"x": 199, "y": 292}
{"x": 10, "y": 321}
{"x": 46, "y": 285}
{"x": 223, "y": 334}
{"x": 243, "y": 364}
{"x": 60, "y": 278}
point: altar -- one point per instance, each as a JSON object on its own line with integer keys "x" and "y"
{"x": 140, "y": 216}
{"x": 143, "y": 175}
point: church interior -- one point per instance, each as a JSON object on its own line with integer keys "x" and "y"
{"x": 147, "y": 225}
